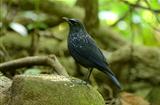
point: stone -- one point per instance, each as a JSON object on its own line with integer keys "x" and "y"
{"x": 52, "y": 90}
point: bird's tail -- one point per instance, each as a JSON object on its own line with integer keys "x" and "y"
{"x": 112, "y": 77}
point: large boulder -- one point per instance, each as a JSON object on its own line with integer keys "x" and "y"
{"x": 5, "y": 84}
{"x": 52, "y": 90}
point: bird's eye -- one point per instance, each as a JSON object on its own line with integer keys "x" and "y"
{"x": 73, "y": 21}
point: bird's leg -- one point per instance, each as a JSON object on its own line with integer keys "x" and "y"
{"x": 89, "y": 74}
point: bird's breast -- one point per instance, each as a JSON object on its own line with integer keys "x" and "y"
{"x": 77, "y": 40}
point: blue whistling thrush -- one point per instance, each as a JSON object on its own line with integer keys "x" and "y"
{"x": 85, "y": 51}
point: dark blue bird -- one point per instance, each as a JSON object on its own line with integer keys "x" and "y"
{"x": 85, "y": 51}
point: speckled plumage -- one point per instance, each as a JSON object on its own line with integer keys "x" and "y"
{"x": 85, "y": 51}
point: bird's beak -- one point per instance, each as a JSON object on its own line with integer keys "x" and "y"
{"x": 66, "y": 19}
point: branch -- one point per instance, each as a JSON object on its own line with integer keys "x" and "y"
{"x": 146, "y": 62}
{"x": 109, "y": 38}
{"x": 91, "y": 19}
{"x": 152, "y": 11}
{"x": 50, "y": 7}
{"x": 142, "y": 7}
{"x": 50, "y": 60}
{"x": 125, "y": 14}
{"x": 121, "y": 18}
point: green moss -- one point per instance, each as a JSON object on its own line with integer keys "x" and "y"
{"x": 154, "y": 96}
{"x": 35, "y": 90}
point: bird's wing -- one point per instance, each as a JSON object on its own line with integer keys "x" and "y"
{"x": 91, "y": 52}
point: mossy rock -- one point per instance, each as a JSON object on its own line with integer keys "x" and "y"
{"x": 154, "y": 96}
{"x": 52, "y": 90}
{"x": 5, "y": 84}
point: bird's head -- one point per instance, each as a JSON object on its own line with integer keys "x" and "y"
{"x": 73, "y": 22}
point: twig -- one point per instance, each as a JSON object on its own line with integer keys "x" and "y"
{"x": 125, "y": 14}
{"x": 154, "y": 28}
{"x": 50, "y": 60}
{"x": 49, "y": 34}
{"x": 140, "y": 6}
{"x": 152, "y": 11}
{"x": 34, "y": 47}
{"x": 121, "y": 18}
